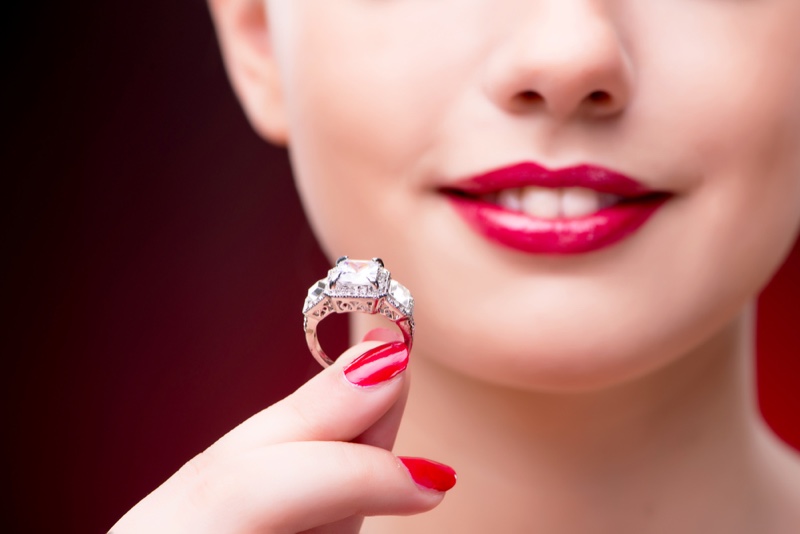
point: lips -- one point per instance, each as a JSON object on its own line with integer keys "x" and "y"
{"x": 572, "y": 210}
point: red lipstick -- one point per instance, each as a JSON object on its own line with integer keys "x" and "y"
{"x": 635, "y": 204}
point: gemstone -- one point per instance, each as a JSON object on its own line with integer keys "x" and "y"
{"x": 355, "y": 274}
{"x": 401, "y": 295}
{"x": 315, "y": 295}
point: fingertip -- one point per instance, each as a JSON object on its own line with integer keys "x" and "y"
{"x": 378, "y": 365}
{"x": 382, "y": 334}
{"x": 428, "y": 474}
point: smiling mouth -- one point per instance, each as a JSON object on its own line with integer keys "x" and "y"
{"x": 553, "y": 203}
{"x": 573, "y": 210}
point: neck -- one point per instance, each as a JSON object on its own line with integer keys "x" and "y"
{"x": 638, "y": 457}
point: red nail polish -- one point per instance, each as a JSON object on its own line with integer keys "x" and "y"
{"x": 378, "y": 365}
{"x": 429, "y": 474}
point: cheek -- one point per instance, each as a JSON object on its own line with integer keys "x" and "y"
{"x": 742, "y": 137}
{"x": 348, "y": 152}
{"x": 730, "y": 139}
{"x": 364, "y": 124}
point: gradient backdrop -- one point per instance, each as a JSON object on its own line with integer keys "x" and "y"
{"x": 158, "y": 258}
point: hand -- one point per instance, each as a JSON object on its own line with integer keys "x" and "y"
{"x": 318, "y": 461}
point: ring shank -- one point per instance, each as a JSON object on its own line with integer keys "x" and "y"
{"x": 405, "y": 324}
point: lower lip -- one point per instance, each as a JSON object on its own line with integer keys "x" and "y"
{"x": 556, "y": 236}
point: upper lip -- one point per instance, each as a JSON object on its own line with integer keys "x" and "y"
{"x": 531, "y": 174}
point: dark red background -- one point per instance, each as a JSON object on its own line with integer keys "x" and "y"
{"x": 145, "y": 228}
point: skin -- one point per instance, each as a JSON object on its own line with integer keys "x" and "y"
{"x": 604, "y": 392}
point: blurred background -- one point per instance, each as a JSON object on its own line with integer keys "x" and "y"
{"x": 158, "y": 261}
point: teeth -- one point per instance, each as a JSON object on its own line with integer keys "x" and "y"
{"x": 551, "y": 203}
{"x": 541, "y": 202}
{"x": 579, "y": 202}
{"x": 509, "y": 199}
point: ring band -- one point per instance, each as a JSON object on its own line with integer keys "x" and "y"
{"x": 364, "y": 286}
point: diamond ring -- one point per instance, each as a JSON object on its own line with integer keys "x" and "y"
{"x": 357, "y": 286}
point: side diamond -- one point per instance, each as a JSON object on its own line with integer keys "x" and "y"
{"x": 401, "y": 297}
{"x": 315, "y": 295}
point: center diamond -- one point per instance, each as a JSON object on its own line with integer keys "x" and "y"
{"x": 357, "y": 273}
{"x": 355, "y": 277}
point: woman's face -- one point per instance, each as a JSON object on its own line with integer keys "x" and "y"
{"x": 388, "y": 102}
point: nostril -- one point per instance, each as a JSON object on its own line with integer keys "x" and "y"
{"x": 530, "y": 96}
{"x": 600, "y": 97}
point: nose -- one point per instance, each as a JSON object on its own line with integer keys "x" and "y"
{"x": 567, "y": 61}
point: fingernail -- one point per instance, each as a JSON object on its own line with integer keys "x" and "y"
{"x": 430, "y": 474}
{"x": 378, "y": 365}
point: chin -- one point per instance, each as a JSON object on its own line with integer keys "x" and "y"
{"x": 571, "y": 358}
